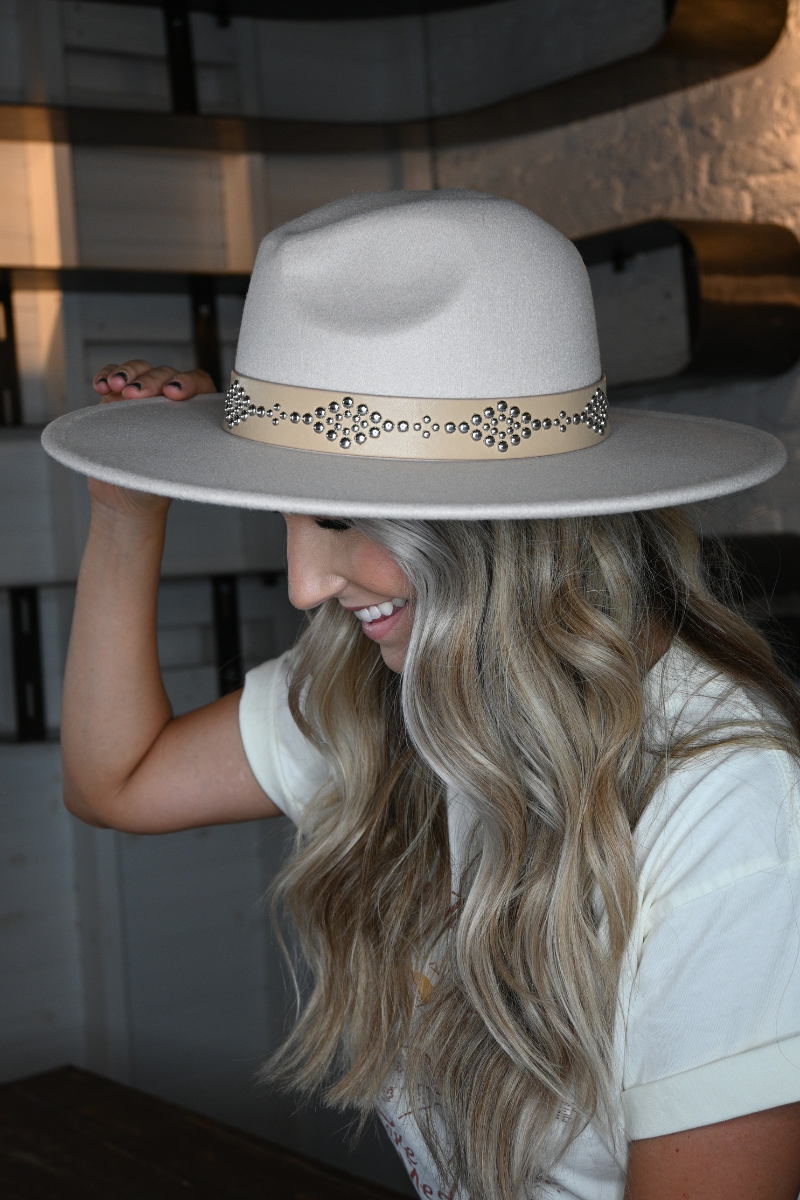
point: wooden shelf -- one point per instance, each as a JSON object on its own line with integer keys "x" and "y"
{"x": 706, "y": 39}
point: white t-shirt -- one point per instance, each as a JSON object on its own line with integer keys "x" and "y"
{"x": 709, "y": 998}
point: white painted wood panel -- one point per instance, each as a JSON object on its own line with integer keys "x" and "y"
{"x": 115, "y": 56}
{"x": 150, "y": 209}
{"x": 41, "y": 1000}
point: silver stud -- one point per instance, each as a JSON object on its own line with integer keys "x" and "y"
{"x": 488, "y": 412}
{"x": 513, "y": 412}
{"x": 338, "y": 425}
{"x": 536, "y": 424}
{"x": 526, "y": 418}
{"x": 362, "y": 408}
{"x": 374, "y": 432}
{"x": 318, "y": 412}
{"x": 417, "y": 425}
{"x": 463, "y": 427}
{"x": 345, "y": 443}
{"x": 546, "y": 423}
{"x": 402, "y": 426}
{"x": 427, "y": 420}
{"x": 275, "y": 405}
{"x": 283, "y": 416}
{"x": 568, "y": 420}
{"x": 562, "y": 428}
{"x": 376, "y": 416}
{"x": 576, "y": 419}
{"x": 334, "y": 406}
{"x": 486, "y": 425}
{"x": 319, "y": 427}
{"x": 329, "y": 420}
{"x": 260, "y": 410}
{"x": 502, "y": 447}
{"x": 361, "y": 438}
{"x": 307, "y": 418}
{"x": 331, "y": 435}
{"x": 488, "y": 441}
{"x": 275, "y": 421}
{"x": 426, "y": 433}
{"x": 388, "y": 426}
{"x": 514, "y": 439}
{"x": 476, "y": 418}
{"x": 435, "y": 428}
{"x": 294, "y": 418}
{"x": 346, "y": 431}
{"x": 348, "y": 402}
{"x": 450, "y": 427}
{"x": 561, "y": 415}
{"x": 526, "y": 433}
{"x": 501, "y": 406}
{"x": 476, "y": 435}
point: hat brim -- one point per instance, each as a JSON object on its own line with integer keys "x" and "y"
{"x": 649, "y": 460}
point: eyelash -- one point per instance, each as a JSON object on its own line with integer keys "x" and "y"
{"x": 329, "y": 523}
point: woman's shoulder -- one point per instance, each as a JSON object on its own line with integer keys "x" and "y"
{"x": 287, "y": 766}
{"x": 724, "y": 811}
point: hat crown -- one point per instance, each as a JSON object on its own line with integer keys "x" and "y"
{"x": 431, "y": 294}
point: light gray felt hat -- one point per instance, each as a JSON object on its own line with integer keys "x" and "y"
{"x": 416, "y": 354}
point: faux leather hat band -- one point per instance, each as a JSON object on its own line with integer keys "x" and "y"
{"x": 394, "y": 427}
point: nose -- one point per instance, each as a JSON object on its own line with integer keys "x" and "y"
{"x": 312, "y": 571}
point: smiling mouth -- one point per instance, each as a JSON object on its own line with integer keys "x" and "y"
{"x": 378, "y": 612}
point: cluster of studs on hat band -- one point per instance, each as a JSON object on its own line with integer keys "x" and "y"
{"x": 346, "y": 422}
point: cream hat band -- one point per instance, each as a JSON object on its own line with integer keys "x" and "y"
{"x": 394, "y": 427}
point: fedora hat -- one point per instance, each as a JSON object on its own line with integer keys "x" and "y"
{"x": 416, "y": 354}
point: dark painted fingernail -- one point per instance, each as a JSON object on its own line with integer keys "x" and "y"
{"x": 176, "y": 383}
{"x": 136, "y": 384}
{"x": 120, "y": 375}
{"x": 103, "y": 379}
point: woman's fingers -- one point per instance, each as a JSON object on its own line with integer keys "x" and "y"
{"x": 119, "y": 377}
{"x": 184, "y": 384}
{"x": 100, "y": 383}
{"x": 148, "y": 383}
{"x": 136, "y": 379}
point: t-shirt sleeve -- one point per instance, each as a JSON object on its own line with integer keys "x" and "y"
{"x": 289, "y": 769}
{"x": 712, "y": 1028}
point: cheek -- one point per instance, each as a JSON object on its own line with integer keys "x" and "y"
{"x": 379, "y": 572}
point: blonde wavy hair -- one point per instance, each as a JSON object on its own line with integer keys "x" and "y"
{"x": 522, "y": 690}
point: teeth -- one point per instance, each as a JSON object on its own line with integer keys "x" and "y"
{"x": 385, "y": 609}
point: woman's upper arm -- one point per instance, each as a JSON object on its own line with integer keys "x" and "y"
{"x": 195, "y": 773}
{"x": 755, "y": 1157}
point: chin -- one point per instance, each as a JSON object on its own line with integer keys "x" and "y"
{"x": 394, "y": 659}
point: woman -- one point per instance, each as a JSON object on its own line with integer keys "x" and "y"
{"x": 546, "y": 784}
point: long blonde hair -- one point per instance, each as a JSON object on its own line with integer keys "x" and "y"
{"x": 522, "y": 690}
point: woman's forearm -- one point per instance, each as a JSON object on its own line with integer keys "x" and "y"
{"x": 114, "y": 704}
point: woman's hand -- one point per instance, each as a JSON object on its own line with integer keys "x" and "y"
{"x": 136, "y": 379}
{"x": 133, "y": 380}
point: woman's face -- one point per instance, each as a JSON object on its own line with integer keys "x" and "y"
{"x": 329, "y": 560}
